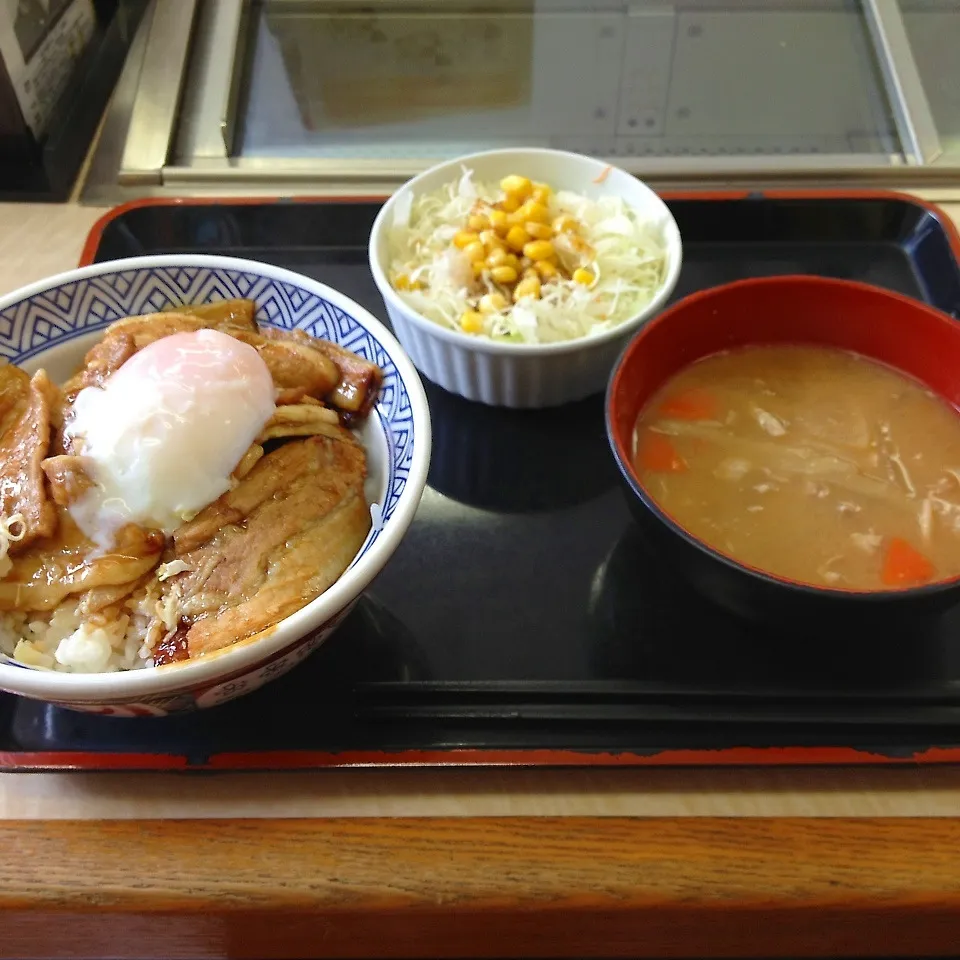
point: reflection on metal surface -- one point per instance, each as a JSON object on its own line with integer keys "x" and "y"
{"x": 346, "y": 96}
{"x": 336, "y": 81}
{"x": 918, "y": 133}
{"x": 357, "y": 71}
{"x": 154, "y": 111}
{"x": 933, "y": 29}
{"x": 326, "y": 79}
{"x": 100, "y": 185}
{"x": 321, "y": 172}
{"x": 228, "y": 118}
{"x": 206, "y": 123}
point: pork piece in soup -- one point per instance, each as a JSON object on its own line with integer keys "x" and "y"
{"x": 809, "y": 463}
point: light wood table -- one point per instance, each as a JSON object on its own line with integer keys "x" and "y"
{"x": 599, "y": 861}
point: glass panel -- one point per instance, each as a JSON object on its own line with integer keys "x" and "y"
{"x": 933, "y": 27}
{"x": 434, "y": 78}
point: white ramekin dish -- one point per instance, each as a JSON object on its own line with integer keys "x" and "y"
{"x": 53, "y": 323}
{"x": 521, "y": 374}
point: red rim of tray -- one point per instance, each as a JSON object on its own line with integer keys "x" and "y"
{"x": 311, "y": 759}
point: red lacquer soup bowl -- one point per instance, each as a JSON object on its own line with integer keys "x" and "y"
{"x": 895, "y": 330}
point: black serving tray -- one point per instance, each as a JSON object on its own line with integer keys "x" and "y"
{"x": 522, "y": 619}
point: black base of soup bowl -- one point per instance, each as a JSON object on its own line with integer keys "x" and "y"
{"x": 649, "y": 624}
{"x": 781, "y": 603}
{"x": 894, "y": 330}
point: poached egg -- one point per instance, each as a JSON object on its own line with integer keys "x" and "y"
{"x": 161, "y": 437}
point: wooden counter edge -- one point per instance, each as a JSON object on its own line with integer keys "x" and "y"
{"x": 470, "y": 887}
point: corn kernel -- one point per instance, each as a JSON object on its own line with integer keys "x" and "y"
{"x": 539, "y": 231}
{"x": 527, "y": 287}
{"x": 532, "y": 210}
{"x": 542, "y": 193}
{"x": 492, "y": 302}
{"x": 498, "y": 220}
{"x": 491, "y": 241}
{"x": 401, "y": 282}
{"x": 513, "y": 261}
{"x": 539, "y": 250}
{"x": 546, "y": 269}
{"x": 565, "y": 224}
{"x": 582, "y": 276}
{"x": 515, "y": 219}
{"x": 516, "y": 238}
{"x": 475, "y": 251}
{"x": 519, "y": 186}
{"x": 464, "y": 238}
{"x": 504, "y": 274}
{"x": 477, "y": 222}
{"x": 497, "y": 258}
{"x": 471, "y": 322}
{"x": 511, "y": 203}
{"x": 478, "y": 266}
{"x": 529, "y": 272}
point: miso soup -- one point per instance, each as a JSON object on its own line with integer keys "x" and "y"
{"x": 809, "y": 463}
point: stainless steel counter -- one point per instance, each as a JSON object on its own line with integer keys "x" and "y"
{"x": 343, "y": 96}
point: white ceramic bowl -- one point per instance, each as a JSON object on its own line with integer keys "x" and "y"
{"x": 520, "y": 374}
{"x": 54, "y": 322}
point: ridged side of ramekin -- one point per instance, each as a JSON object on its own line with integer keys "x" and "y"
{"x": 521, "y": 375}
{"x": 509, "y": 380}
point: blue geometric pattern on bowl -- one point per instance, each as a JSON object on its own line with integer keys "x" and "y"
{"x": 62, "y": 313}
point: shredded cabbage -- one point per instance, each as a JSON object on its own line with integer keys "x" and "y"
{"x": 623, "y": 252}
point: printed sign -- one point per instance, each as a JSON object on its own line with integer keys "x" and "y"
{"x": 40, "y": 42}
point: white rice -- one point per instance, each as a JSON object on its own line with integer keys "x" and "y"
{"x": 104, "y": 642}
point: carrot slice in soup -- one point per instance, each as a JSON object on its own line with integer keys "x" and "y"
{"x": 692, "y": 404}
{"x": 659, "y": 455}
{"x": 905, "y": 566}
